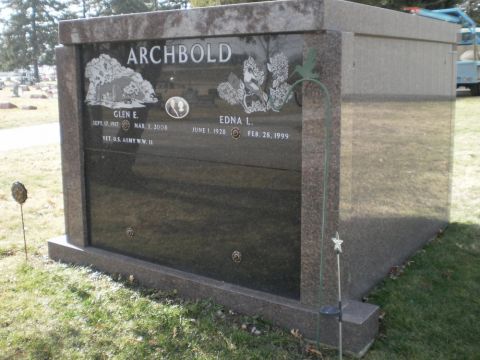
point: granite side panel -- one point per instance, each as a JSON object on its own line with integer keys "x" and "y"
{"x": 371, "y": 20}
{"x": 69, "y": 96}
{"x": 395, "y": 156}
{"x": 360, "y": 320}
{"x": 329, "y": 50}
{"x": 386, "y": 67}
{"x": 346, "y": 165}
{"x": 267, "y": 17}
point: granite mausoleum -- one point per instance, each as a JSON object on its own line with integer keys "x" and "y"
{"x": 189, "y": 163}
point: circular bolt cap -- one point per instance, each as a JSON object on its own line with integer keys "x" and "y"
{"x": 130, "y": 232}
{"x": 237, "y": 257}
{"x": 236, "y": 133}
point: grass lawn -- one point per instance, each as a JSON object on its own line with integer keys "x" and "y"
{"x": 49, "y": 310}
{"x": 431, "y": 311}
{"x": 47, "y": 109}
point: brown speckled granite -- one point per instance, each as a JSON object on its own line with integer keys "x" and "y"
{"x": 328, "y": 47}
{"x": 265, "y": 17}
{"x": 69, "y": 99}
{"x": 268, "y": 17}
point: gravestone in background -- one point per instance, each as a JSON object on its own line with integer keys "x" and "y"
{"x": 183, "y": 167}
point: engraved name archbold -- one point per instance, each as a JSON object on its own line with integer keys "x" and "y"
{"x": 181, "y": 54}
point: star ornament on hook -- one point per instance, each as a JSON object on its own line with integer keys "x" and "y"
{"x": 337, "y": 243}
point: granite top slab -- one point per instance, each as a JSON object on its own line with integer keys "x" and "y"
{"x": 285, "y": 16}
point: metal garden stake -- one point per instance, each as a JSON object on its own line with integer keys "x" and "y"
{"x": 329, "y": 310}
{"x": 338, "y": 249}
{"x": 19, "y": 194}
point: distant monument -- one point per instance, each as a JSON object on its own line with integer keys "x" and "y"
{"x": 16, "y": 90}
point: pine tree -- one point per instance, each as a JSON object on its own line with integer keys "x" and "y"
{"x": 171, "y": 4}
{"x": 201, "y": 3}
{"x": 30, "y": 33}
{"x": 472, "y": 8}
{"x": 92, "y": 8}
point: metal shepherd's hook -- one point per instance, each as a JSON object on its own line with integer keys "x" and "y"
{"x": 19, "y": 194}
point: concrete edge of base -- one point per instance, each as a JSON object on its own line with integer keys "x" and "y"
{"x": 360, "y": 320}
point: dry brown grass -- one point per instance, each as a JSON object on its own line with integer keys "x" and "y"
{"x": 466, "y": 168}
{"x": 39, "y": 169}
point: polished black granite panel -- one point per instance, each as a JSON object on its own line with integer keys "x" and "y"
{"x": 215, "y": 174}
{"x": 266, "y": 137}
{"x": 193, "y": 215}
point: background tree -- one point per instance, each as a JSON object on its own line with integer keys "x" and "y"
{"x": 171, "y": 4}
{"x": 390, "y": 4}
{"x": 472, "y": 8}
{"x": 29, "y": 34}
{"x": 201, "y": 3}
{"x": 92, "y": 8}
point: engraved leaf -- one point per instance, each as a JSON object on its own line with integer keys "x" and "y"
{"x": 227, "y": 93}
{"x": 278, "y": 66}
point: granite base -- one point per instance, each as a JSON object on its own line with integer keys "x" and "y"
{"x": 360, "y": 320}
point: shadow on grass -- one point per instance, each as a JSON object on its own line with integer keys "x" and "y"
{"x": 431, "y": 311}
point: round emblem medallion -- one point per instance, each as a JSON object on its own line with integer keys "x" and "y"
{"x": 19, "y": 192}
{"x": 125, "y": 125}
{"x": 236, "y": 133}
{"x": 177, "y": 107}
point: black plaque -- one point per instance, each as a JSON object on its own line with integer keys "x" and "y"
{"x": 191, "y": 158}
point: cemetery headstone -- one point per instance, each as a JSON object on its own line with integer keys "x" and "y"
{"x": 194, "y": 153}
{"x": 15, "y": 90}
{"x": 7, "y": 106}
{"x": 38, "y": 96}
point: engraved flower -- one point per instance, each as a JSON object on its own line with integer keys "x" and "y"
{"x": 252, "y": 74}
{"x": 278, "y": 66}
